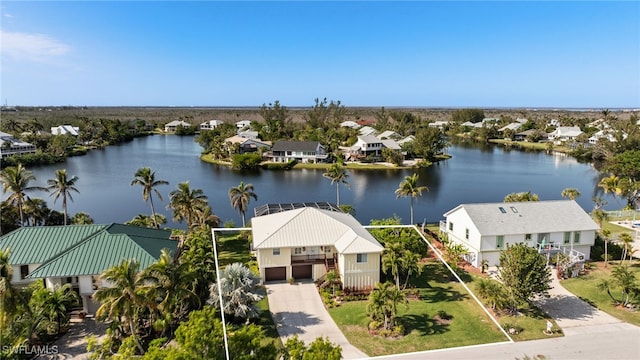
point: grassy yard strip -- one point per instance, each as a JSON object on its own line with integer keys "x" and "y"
{"x": 530, "y": 322}
{"x": 232, "y": 248}
{"x": 586, "y": 288}
{"x": 469, "y": 324}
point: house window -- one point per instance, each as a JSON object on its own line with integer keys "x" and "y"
{"x": 567, "y": 237}
{"x": 361, "y": 258}
{"x": 502, "y": 210}
{"x": 527, "y": 237}
{"x": 327, "y": 249}
{"x": 450, "y": 226}
{"x": 24, "y": 271}
{"x": 276, "y": 251}
{"x": 499, "y": 241}
{"x": 576, "y": 237}
{"x": 297, "y": 251}
{"x": 466, "y": 234}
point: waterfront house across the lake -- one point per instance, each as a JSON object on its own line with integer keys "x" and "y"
{"x": 246, "y": 145}
{"x": 307, "y": 242}
{"x": 12, "y": 146}
{"x": 210, "y": 124}
{"x": 79, "y": 254}
{"x": 65, "y": 130}
{"x": 173, "y": 126}
{"x": 300, "y": 151}
{"x": 488, "y": 228}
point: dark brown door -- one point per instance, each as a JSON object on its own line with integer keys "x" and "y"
{"x": 302, "y": 272}
{"x": 275, "y": 274}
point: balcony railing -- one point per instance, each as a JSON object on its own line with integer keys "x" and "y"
{"x": 312, "y": 258}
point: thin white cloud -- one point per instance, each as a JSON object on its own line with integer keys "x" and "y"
{"x": 8, "y": 16}
{"x": 32, "y": 47}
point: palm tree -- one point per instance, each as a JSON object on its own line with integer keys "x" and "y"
{"x": 125, "y": 299}
{"x": 627, "y": 244}
{"x": 8, "y": 293}
{"x": 55, "y": 305}
{"x": 392, "y": 260}
{"x": 600, "y": 216}
{"x": 611, "y": 185}
{"x": 409, "y": 187}
{"x": 570, "y": 193}
{"x": 205, "y": 218}
{"x": 240, "y": 197}
{"x": 62, "y": 186}
{"x": 184, "y": 202}
{"x": 411, "y": 265}
{"x": 81, "y": 218}
{"x": 383, "y": 303}
{"x": 146, "y": 178}
{"x": 240, "y": 291}
{"x": 36, "y": 211}
{"x": 173, "y": 287}
{"x": 338, "y": 175}
{"x": 16, "y": 180}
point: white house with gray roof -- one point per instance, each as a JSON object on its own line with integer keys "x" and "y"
{"x": 486, "y": 229}
{"x": 300, "y": 151}
{"x": 306, "y": 243}
{"x": 564, "y": 133}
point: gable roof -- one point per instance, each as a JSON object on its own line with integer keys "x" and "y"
{"x": 178, "y": 123}
{"x": 310, "y": 226}
{"x": 388, "y": 134}
{"x": 36, "y": 244}
{"x": 369, "y": 139}
{"x": 104, "y": 249}
{"x": 76, "y": 250}
{"x": 367, "y": 130}
{"x": 295, "y": 146}
{"x": 528, "y": 217}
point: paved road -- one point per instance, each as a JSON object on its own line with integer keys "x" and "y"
{"x": 298, "y": 309}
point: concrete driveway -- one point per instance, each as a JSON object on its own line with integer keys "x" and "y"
{"x": 298, "y": 310}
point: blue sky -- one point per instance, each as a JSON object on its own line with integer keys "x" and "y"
{"x": 420, "y": 53}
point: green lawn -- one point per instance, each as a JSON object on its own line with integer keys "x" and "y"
{"x": 585, "y": 287}
{"x": 470, "y": 324}
{"x": 232, "y": 248}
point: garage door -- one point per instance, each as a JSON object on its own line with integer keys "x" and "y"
{"x": 275, "y": 274}
{"x": 302, "y": 272}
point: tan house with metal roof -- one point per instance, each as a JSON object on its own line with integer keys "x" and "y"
{"x": 78, "y": 254}
{"x": 551, "y": 226}
{"x": 306, "y": 243}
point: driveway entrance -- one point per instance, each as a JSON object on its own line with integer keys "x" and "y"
{"x": 298, "y": 309}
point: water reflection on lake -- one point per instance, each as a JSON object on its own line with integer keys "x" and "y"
{"x": 476, "y": 173}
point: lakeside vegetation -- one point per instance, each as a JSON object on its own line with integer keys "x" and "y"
{"x": 156, "y": 320}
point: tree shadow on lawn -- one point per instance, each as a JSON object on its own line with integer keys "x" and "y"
{"x": 435, "y": 294}
{"x": 423, "y": 324}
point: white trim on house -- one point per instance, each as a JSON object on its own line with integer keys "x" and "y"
{"x": 310, "y": 232}
{"x": 65, "y": 129}
{"x": 486, "y": 229}
{"x": 211, "y": 124}
{"x": 173, "y": 126}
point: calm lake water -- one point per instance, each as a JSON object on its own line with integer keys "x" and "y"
{"x": 483, "y": 173}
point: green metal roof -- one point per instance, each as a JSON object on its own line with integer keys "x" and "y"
{"x": 102, "y": 247}
{"x": 37, "y": 244}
